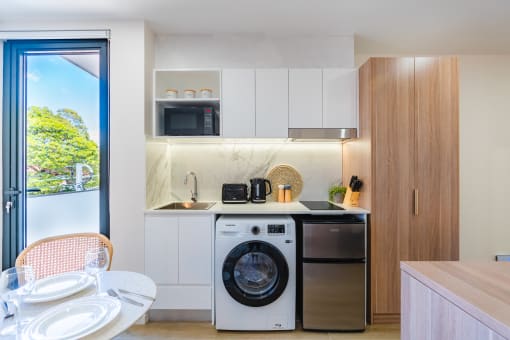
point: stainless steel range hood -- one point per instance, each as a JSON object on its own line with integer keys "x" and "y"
{"x": 327, "y": 134}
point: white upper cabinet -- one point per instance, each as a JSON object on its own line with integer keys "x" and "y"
{"x": 238, "y": 103}
{"x": 272, "y": 103}
{"x": 340, "y": 98}
{"x": 265, "y": 103}
{"x": 305, "y": 98}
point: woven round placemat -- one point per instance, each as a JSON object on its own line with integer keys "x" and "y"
{"x": 285, "y": 174}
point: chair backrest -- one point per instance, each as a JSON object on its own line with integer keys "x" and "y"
{"x": 63, "y": 253}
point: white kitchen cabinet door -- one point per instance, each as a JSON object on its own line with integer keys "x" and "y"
{"x": 340, "y": 98}
{"x": 305, "y": 98}
{"x": 161, "y": 249}
{"x": 272, "y": 103}
{"x": 238, "y": 103}
{"x": 195, "y": 249}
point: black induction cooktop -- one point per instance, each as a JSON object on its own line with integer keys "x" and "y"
{"x": 320, "y": 205}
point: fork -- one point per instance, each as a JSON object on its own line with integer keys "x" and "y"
{"x": 123, "y": 291}
{"x": 114, "y": 294}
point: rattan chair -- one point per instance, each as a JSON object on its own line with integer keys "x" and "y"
{"x": 60, "y": 254}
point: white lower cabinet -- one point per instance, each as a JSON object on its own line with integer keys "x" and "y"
{"x": 161, "y": 249}
{"x": 179, "y": 257}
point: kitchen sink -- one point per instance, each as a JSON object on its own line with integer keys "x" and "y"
{"x": 187, "y": 206}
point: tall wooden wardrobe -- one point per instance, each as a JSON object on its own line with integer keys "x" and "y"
{"x": 408, "y": 157}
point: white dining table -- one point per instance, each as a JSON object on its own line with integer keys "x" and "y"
{"x": 129, "y": 313}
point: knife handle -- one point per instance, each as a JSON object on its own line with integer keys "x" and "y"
{"x": 416, "y": 202}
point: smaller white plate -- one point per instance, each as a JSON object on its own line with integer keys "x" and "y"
{"x": 73, "y": 319}
{"x": 58, "y": 286}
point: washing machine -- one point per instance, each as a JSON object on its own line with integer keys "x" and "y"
{"x": 255, "y": 272}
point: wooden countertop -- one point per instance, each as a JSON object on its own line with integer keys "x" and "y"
{"x": 482, "y": 289}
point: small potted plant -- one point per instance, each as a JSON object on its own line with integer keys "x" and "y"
{"x": 337, "y": 193}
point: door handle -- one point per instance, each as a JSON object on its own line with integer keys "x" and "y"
{"x": 8, "y": 207}
{"x": 12, "y": 191}
{"x": 416, "y": 202}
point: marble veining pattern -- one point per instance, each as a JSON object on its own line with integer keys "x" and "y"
{"x": 320, "y": 165}
{"x": 158, "y": 172}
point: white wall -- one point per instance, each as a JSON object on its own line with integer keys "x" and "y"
{"x": 1, "y": 120}
{"x": 484, "y": 156}
{"x": 127, "y": 148}
{"x": 127, "y": 144}
{"x": 149, "y": 67}
{"x": 244, "y": 50}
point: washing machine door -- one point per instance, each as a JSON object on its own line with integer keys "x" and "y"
{"x": 255, "y": 273}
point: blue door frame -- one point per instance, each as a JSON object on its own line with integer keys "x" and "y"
{"x": 14, "y": 128}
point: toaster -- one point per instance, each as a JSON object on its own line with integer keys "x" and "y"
{"x": 234, "y": 193}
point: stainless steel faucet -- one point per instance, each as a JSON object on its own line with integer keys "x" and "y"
{"x": 194, "y": 191}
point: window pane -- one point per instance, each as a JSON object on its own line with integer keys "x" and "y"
{"x": 62, "y": 164}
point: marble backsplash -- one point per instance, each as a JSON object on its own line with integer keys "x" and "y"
{"x": 158, "y": 170}
{"x": 320, "y": 165}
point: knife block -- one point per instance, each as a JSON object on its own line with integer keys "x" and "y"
{"x": 351, "y": 198}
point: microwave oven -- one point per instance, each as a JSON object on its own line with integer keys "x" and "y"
{"x": 190, "y": 121}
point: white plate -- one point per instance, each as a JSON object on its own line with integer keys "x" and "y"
{"x": 58, "y": 286}
{"x": 73, "y": 319}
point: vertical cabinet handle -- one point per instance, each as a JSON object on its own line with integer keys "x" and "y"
{"x": 416, "y": 202}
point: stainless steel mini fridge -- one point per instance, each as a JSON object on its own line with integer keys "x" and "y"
{"x": 334, "y": 273}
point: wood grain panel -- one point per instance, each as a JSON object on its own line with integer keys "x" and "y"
{"x": 357, "y": 152}
{"x": 386, "y": 318}
{"x": 455, "y": 301}
{"x": 408, "y": 140}
{"x": 435, "y": 229}
{"x": 393, "y": 175}
{"x": 157, "y": 330}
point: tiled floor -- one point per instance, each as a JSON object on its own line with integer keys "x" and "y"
{"x": 203, "y": 330}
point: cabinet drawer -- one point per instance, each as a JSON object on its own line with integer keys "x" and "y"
{"x": 183, "y": 297}
{"x": 333, "y": 240}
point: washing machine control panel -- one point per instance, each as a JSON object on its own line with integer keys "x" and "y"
{"x": 276, "y": 228}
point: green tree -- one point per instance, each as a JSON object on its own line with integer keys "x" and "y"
{"x": 75, "y": 119}
{"x": 56, "y": 142}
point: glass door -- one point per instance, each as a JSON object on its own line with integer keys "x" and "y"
{"x": 55, "y": 145}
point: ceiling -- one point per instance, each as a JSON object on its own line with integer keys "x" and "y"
{"x": 379, "y": 26}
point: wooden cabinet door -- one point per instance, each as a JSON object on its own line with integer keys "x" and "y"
{"x": 392, "y": 109}
{"x": 435, "y": 231}
{"x": 161, "y": 249}
{"x": 340, "y": 96}
{"x": 305, "y": 98}
{"x": 195, "y": 250}
{"x": 272, "y": 103}
{"x": 238, "y": 103}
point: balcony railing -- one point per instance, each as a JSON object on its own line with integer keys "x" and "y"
{"x": 57, "y": 214}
